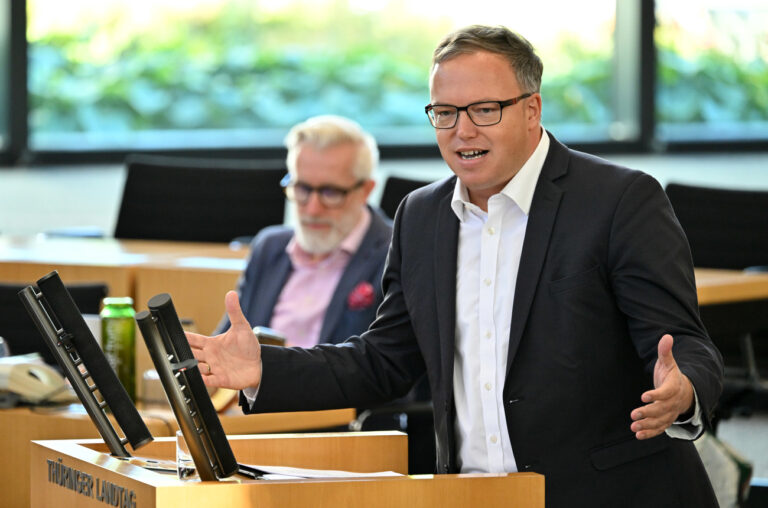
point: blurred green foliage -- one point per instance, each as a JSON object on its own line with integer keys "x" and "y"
{"x": 239, "y": 69}
{"x": 700, "y": 82}
{"x": 230, "y": 71}
{"x": 243, "y": 69}
{"x": 710, "y": 88}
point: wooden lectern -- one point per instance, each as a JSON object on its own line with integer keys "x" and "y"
{"x": 80, "y": 473}
{"x": 21, "y": 425}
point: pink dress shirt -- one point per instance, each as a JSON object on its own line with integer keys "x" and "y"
{"x": 300, "y": 309}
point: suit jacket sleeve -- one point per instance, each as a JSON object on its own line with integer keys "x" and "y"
{"x": 653, "y": 282}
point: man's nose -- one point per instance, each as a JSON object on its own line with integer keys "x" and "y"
{"x": 314, "y": 206}
{"x": 465, "y": 127}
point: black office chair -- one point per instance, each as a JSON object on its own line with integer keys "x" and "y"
{"x": 199, "y": 200}
{"x": 395, "y": 189}
{"x": 729, "y": 229}
{"x": 18, "y": 329}
{"x": 415, "y": 419}
{"x": 411, "y": 414}
{"x": 725, "y": 228}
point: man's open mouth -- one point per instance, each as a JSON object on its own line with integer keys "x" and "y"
{"x": 472, "y": 154}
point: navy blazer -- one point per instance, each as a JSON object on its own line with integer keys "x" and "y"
{"x": 605, "y": 272}
{"x": 269, "y": 267}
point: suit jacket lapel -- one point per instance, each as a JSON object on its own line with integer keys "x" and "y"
{"x": 445, "y": 253}
{"x": 541, "y": 220}
{"x": 338, "y": 304}
{"x": 356, "y": 270}
{"x": 273, "y": 280}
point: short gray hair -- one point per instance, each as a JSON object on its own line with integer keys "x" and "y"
{"x": 495, "y": 39}
{"x": 330, "y": 130}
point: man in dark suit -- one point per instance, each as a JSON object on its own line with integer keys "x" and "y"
{"x": 549, "y": 296}
{"x": 320, "y": 282}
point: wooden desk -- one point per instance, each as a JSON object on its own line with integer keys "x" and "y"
{"x": 733, "y": 305}
{"x": 23, "y": 260}
{"x": 235, "y": 422}
{"x": 26, "y": 259}
{"x": 18, "y": 427}
{"x": 716, "y": 286}
{"x": 362, "y": 452}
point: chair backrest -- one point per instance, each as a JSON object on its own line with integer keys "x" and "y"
{"x": 197, "y": 200}
{"x": 18, "y": 329}
{"x": 395, "y": 189}
{"x": 725, "y": 228}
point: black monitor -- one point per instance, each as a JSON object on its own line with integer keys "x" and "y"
{"x": 72, "y": 344}
{"x": 20, "y": 332}
{"x": 185, "y": 389}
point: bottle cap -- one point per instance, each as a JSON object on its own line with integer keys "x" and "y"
{"x": 118, "y": 300}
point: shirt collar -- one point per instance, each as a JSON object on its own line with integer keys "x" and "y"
{"x": 519, "y": 189}
{"x": 348, "y": 245}
{"x": 352, "y": 242}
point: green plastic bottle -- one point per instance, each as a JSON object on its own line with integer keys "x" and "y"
{"x": 118, "y": 339}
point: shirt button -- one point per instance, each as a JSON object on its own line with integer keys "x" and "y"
{"x": 488, "y": 386}
{"x": 494, "y": 439}
{"x": 491, "y": 231}
{"x": 488, "y": 335}
{"x": 487, "y": 282}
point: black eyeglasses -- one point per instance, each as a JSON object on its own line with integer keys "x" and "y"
{"x": 482, "y": 114}
{"x": 330, "y": 195}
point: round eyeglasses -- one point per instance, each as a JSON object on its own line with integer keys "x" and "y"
{"x": 482, "y": 114}
{"x": 330, "y": 196}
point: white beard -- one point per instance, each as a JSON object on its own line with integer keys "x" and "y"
{"x": 320, "y": 243}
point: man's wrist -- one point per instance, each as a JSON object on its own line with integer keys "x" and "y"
{"x": 683, "y": 417}
{"x": 690, "y": 396}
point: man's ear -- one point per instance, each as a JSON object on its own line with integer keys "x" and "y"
{"x": 368, "y": 187}
{"x": 533, "y": 111}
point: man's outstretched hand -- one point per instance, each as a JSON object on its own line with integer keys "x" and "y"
{"x": 231, "y": 359}
{"x": 672, "y": 395}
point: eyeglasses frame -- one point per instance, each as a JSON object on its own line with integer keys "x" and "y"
{"x": 287, "y": 182}
{"x": 459, "y": 109}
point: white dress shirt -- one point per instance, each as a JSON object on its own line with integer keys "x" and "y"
{"x": 490, "y": 245}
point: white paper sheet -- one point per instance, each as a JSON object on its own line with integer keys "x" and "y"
{"x": 292, "y": 473}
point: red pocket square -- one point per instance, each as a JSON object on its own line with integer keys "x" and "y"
{"x": 361, "y": 297}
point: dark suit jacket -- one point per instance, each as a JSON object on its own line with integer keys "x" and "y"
{"x": 269, "y": 267}
{"x": 605, "y": 272}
